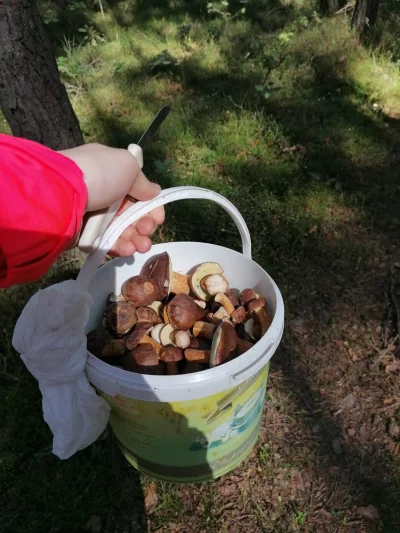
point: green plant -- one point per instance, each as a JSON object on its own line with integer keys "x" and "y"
{"x": 163, "y": 61}
{"x": 91, "y": 35}
{"x": 222, "y": 9}
{"x": 300, "y": 517}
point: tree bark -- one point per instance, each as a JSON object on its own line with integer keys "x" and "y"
{"x": 331, "y": 6}
{"x": 364, "y": 15}
{"x": 33, "y": 99}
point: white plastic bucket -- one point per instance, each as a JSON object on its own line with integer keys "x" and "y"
{"x": 193, "y": 427}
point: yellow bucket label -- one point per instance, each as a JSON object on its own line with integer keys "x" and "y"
{"x": 191, "y": 440}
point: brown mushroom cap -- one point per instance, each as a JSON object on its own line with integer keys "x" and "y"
{"x": 224, "y": 342}
{"x": 247, "y": 295}
{"x": 159, "y": 268}
{"x": 146, "y": 314}
{"x": 120, "y": 317}
{"x": 142, "y": 359}
{"x": 132, "y": 339}
{"x": 171, "y": 354}
{"x": 96, "y": 340}
{"x": 183, "y": 312}
{"x": 140, "y": 290}
{"x": 199, "y": 273}
{"x": 255, "y": 305}
{"x": 238, "y": 315}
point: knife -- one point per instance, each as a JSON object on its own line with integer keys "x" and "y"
{"x": 98, "y": 221}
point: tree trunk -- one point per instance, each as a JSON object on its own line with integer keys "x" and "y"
{"x": 331, "y": 6}
{"x": 32, "y": 97}
{"x": 364, "y": 15}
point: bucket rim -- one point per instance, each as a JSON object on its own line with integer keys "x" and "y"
{"x": 237, "y": 366}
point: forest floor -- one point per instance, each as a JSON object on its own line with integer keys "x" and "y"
{"x": 288, "y": 116}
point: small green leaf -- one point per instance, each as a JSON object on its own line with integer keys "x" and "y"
{"x": 267, "y": 95}
{"x": 259, "y": 88}
{"x": 243, "y": 10}
{"x": 225, "y": 3}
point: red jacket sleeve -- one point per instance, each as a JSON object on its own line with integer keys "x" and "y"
{"x": 42, "y": 201}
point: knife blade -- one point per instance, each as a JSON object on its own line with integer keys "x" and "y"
{"x": 154, "y": 126}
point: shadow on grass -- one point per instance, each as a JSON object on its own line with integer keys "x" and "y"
{"x": 366, "y": 472}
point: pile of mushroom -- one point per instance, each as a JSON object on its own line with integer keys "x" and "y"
{"x": 166, "y": 323}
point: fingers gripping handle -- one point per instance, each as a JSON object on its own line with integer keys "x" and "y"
{"x": 98, "y": 221}
{"x": 140, "y": 209}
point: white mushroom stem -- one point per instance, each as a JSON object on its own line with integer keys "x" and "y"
{"x": 225, "y": 302}
{"x": 248, "y": 327}
{"x": 181, "y": 339}
{"x": 179, "y": 284}
{"x": 214, "y": 284}
{"x": 204, "y": 330}
{"x": 155, "y": 332}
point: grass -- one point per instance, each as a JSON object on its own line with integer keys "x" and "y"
{"x": 288, "y": 116}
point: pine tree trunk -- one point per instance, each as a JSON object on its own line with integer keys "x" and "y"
{"x": 32, "y": 97}
{"x": 364, "y": 15}
{"x": 331, "y": 6}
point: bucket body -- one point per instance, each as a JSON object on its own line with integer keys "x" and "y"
{"x": 193, "y": 427}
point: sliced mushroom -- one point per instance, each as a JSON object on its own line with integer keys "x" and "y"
{"x": 165, "y": 314}
{"x": 238, "y": 315}
{"x": 181, "y": 339}
{"x": 197, "y": 343}
{"x": 120, "y": 317}
{"x": 214, "y": 283}
{"x": 155, "y": 332}
{"x": 140, "y": 290}
{"x": 224, "y": 342}
{"x": 148, "y": 340}
{"x": 220, "y": 314}
{"x": 145, "y": 314}
{"x": 257, "y": 308}
{"x": 248, "y": 328}
{"x": 183, "y": 312}
{"x": 202, "y": 271}
{"x": 159, "y": 268}
{"x": 171, "y": 356}
{"x": 132, "y": 339}
{"x": 157, "y": 307}
{"x": 225, "y": 302}
{"x": 166, "y": 335}
{"x": 233, "y": 295}
{"x": 197, "y": 356}
{"x": 204, "y": 330}
{"x": 142, "y": 360}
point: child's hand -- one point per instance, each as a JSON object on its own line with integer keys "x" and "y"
{"x": 110, "y": 174}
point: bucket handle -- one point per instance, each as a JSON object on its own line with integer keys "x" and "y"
{"x": 139, "y": 209}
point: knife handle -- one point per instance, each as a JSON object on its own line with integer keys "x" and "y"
{"x": 98, "y": 221}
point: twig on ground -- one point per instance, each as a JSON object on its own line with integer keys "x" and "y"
{"x": 344, "y": 9}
